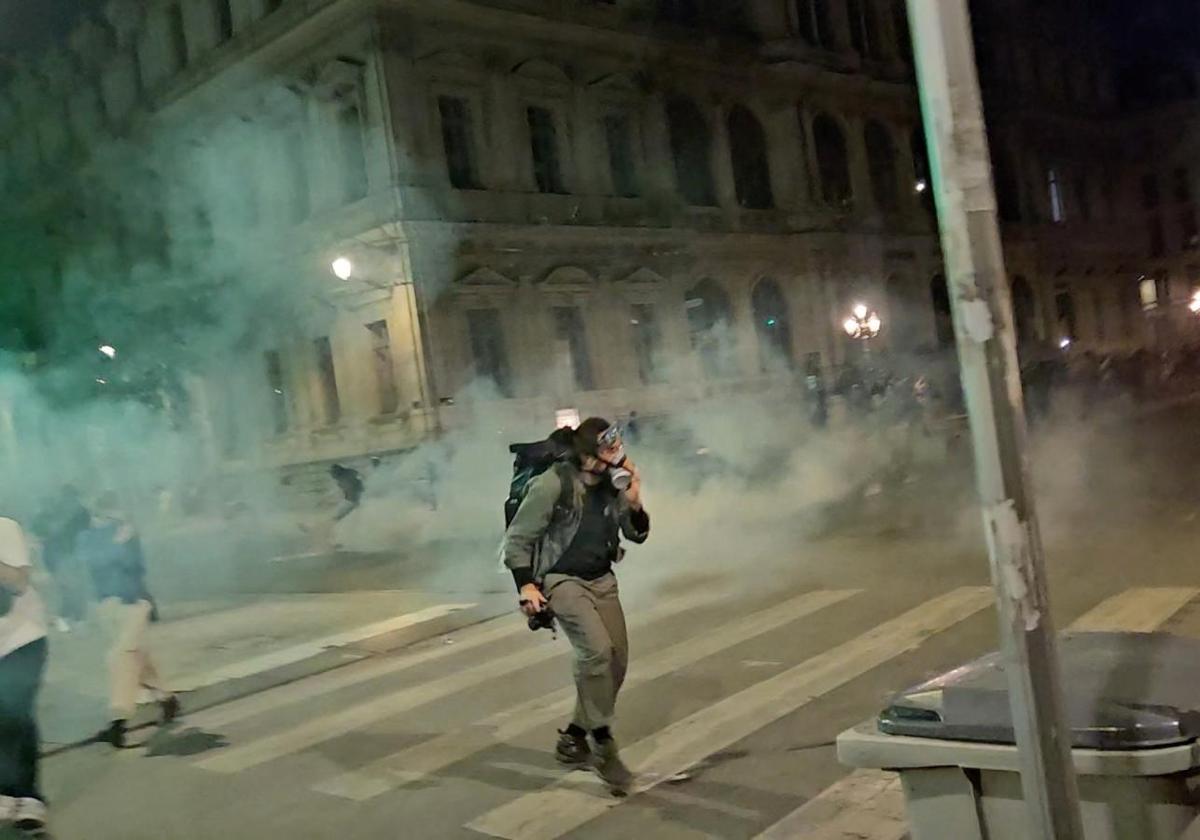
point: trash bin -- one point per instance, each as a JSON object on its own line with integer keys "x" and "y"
{"x": 1133, "y": 704}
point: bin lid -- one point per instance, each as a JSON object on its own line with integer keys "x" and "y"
{"x": 1123, "y": 691}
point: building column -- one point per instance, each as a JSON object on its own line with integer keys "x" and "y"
{"x": 659, "y": 170}
{"x": 409, "y": 116}
{"x": 588, "y": 147}
{"x": 722, "y": 161}
{"x": 860, "y": 173}
{"x": 786, "y": 154}
{"x": 504, "y": 162}
{"x": 815, "y": 195}
{"x": 746, "y": 330}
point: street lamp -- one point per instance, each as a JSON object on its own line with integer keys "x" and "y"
{"x": 343, "y": 268}
{"x": 863, "y": 323}
{"x": 921, "y": 185}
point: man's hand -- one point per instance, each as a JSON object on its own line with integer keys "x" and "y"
{"x": 532, "y": 599}
{"x": 633, "y": 493}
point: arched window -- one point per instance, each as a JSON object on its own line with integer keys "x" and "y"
{"x": 772, "y": 326}
{"x": 709, "y": 325}
{"x": 881, "y": 160}
{"x": 1008, "y": 200}
{"x": 833, "y": 163}
{"x": 690, "y": 147}
{"x": 748, "y": 150}
{"x": 864, "y": 29}
{"x": 943, "y": 323}
{"x": 814, "y": 22}
{"x": 1023, "y": 310}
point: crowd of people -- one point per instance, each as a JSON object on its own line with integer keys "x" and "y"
{"x": 97, "y": 573}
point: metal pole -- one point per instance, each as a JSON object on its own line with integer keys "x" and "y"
{"x": 983, "y": 326}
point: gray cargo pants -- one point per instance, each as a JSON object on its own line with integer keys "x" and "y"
{"x": 589, "y": 613}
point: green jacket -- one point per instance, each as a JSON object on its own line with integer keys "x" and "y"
{"x": 548, "y": 518}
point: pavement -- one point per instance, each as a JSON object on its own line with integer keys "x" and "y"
{"x": 754, "y": 644}
{"x": 214, "y": 651}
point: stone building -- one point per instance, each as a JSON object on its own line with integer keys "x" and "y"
{"x": 607, "y": 205}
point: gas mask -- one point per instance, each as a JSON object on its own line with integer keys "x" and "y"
{"x": 618, "y": 476}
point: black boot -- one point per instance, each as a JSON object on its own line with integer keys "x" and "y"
{"x": 612, "y": 769}
{"x": 572, "y": 749}
{"x": 114, "y": 734}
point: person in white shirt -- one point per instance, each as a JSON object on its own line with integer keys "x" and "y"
{"x": 22, "y": 660}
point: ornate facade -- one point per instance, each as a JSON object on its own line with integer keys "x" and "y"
{"x": 611, "y": 205}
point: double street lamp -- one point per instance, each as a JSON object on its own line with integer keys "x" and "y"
{"x": 863, "y": 323}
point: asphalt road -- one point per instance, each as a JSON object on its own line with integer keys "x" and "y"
{"x": 754, "y": 643}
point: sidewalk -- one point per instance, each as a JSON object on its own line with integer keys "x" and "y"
{"x": 215, "y": 651}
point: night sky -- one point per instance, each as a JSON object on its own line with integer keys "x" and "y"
{"x": 1148, "y": 35}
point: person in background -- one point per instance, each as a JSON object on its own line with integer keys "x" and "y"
{"x": 350, "y": 483}
{"x": 22, "y": 662}
{"x": 56, "y": 527}
{"x": 112, "y": 552}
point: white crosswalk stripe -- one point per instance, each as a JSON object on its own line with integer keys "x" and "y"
{"x": 415, "y": 763}
{"x": 505, "y": 627}
{"x": 295, "y": 653}
{"x": 1136, "y": 610}
{"x": 869, "y": 805}
{"x": 561, "y": 808}
{"x": 315, "y": 731}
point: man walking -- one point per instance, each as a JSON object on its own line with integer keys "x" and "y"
{"x": 561, "y": 547}
{"x": 22, "y": 661}
{"x": 112, "y": 552}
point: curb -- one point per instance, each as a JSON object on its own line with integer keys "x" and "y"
{"x": 227, "y": 691}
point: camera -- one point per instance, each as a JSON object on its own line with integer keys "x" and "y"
{"x": 543, "y": 620}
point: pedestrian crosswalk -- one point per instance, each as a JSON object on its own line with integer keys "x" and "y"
{"x": 873, "y": 630}
{"x": 551, "y": 813}
{"x": 508, "y": 724}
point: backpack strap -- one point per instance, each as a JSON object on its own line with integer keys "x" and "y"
{"x": 566, "y": 487}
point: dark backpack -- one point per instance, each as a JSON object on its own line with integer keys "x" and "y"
{"x": 531, "y": 460}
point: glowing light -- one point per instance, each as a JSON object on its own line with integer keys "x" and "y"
{"x": 101, "y": 380}
{"x": 1194, "y": 303}
{"x": 864, "y": 323}
{"x": 108, "y": 350}
{"x": 922, "y": 185}
{"x": 1065, "y": 343}
{"x": 343, "y": 269}
{"x": 771, "y": 322}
